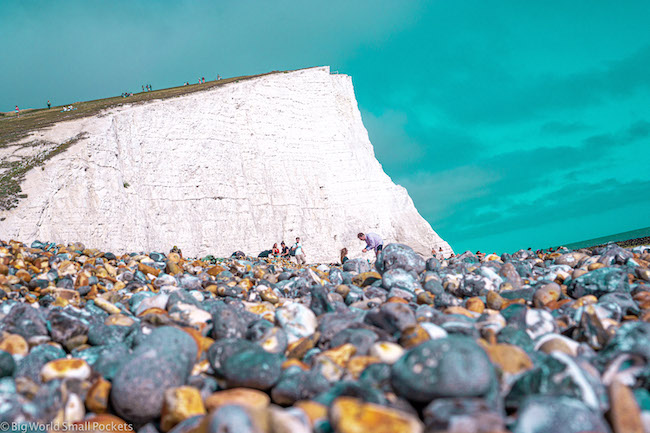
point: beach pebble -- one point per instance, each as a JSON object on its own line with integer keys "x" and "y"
{"x": 180, "y": 404}
{"x": 387, "y": 352}
{"x": 297, "y": 321}
{"x": 552, "y": 414}
{"x": 253, "y": 368}
{"x": 447, "y": 367}
{"x": 350, "y": 415}
{"x": 599, "y": 282}
{"x": 399, "y": 256}
{"x": 68, "y": 368}
{"x": 163, "y": 360}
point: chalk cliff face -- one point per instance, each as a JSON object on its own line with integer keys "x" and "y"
{"x": 237, "y": 167}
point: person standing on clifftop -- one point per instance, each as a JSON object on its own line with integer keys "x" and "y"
{"x": 373, "y": 242}
{"x": 299, "y": 252}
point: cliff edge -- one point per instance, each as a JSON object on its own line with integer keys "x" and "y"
{"x": 239, "y": 166}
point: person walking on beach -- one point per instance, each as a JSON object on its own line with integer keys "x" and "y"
{"x": 48, "y": 104}
{"x": 299, "y": 252}
{"x": 17, "y": 111}
{"x": 373, "y": 242}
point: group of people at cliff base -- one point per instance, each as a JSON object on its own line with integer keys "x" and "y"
{"x": 373, "y": 241}
{"x": 296, "y": 251}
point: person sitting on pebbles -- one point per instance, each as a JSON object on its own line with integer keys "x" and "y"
{"x": 373, "y": 242}
{"x": 285, "y": 253}
{"x": 275, "y": 251}
{"x": 344, "y": 256}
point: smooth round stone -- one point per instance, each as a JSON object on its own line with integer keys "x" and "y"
{"x": 356, "y": 266}
{"x": 15, "y": 345}
{"x": 433, "y": 264}
{"x": 7, "y": 364}
{"x": 391, "y": 317}
{"x": 257, "y": 369}
{"x": 67, "y": 368}
{"x": 224, "y": 349}
{"x": 547, "y": 293}
{"x": 510, "y": 359}
{"x": 599, "y": 282}
{"x": 297, "y": 320}
{"x": 362, "y": 339}
{"x": 162, "y": 360}
{"x": 350, "y": 415}
{"x": 448, "y": 367}
{"x": 387, "y": 352}
{"x": 434, "y": 287}
{"x": 296, "y": 384}
{"x": 400, "y": 279}
{"x": 180, "y": 404}
{"x": 552, "y": 414}
{"x": 228, "y": 322}
{"x": 251, "y": 399}
{"x": 395, "y": 256}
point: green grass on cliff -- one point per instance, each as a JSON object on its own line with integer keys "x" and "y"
{"x": 14, "y": 128}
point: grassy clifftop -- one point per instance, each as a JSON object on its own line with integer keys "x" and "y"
{"x": 14, "y": 128}
{"x": 15, "y": 165}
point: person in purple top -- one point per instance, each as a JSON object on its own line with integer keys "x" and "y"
{"x": 373, "y": 242}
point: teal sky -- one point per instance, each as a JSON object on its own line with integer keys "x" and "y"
{"x": 512, "y": 124}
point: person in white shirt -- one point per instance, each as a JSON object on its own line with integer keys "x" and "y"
{"x": 299, "y": 252}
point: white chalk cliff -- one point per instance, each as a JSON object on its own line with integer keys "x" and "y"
{"x": 236, "y": 167}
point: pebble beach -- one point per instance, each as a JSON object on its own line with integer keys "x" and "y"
{"x": 153, "y": 342}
